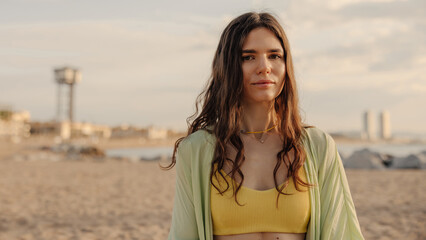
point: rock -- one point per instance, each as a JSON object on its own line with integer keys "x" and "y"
{"x": 45, "y": 148}
{"x": 76, "y": 152}
{"x": 154, "y": 158}
{"x": 413, "y": 161}
{"x": 92, "y": 151}
{"x": 365, "y": 159}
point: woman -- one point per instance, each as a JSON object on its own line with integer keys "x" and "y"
{"x": 248, "y": 168}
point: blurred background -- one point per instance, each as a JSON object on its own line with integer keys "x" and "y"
{"x": 93, "y": 95}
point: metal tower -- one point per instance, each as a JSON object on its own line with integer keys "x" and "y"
{"x": 66, "y": 78}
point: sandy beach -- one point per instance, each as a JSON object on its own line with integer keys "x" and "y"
{"x": 111, "y": 199}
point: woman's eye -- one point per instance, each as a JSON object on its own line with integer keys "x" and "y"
{"x": 275, "y": 56}
{"x": 247, "y": 58}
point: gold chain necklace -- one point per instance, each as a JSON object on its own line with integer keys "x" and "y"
{"x": 262, "y": 137}
{"x": 264, "y": 131}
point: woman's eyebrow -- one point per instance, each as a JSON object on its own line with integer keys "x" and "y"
{"x": 254, "y": 51}
{"x": 249, "y": 51}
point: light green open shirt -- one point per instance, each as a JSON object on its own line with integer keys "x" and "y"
{"x": 333, "y": 214}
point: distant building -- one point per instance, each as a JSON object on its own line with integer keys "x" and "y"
{"x": 126, "y": 131}
{"x": 64, "y": 128}
{"x": 14, "y": 125}
{"x": 385, "y": 128}
{"x": 67, "y": 130}
{"x": 156, "y": 133}
{"x": 79, "y": 129}
{"x": 369, "y": 131}
{"x": 44, "y": 128}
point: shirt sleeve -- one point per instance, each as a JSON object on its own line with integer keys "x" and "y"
{"x": 338, "y": 216}
{"x": 184, "y": 225}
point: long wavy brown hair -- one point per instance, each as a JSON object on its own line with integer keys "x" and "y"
{"x": 221, "y": 105}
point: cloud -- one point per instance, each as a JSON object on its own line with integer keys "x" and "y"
{"x": 354, "y": 55}
{"x": 145, "y": 63}
{"x": 358, "y": 53}
{"x": 126, "y": 66}
{"x": 405, "y": 10}
{"x": 115, "y": 46}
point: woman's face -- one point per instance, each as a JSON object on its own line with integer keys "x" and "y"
{"x": 263, "y": 66}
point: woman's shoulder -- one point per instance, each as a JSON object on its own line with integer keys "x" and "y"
{"x": 318, "y": 140}
{"x": 197, "y": 147}
{"x": 315, "y": 134}
{"x": 199, "y": 138}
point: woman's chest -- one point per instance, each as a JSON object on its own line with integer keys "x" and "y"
{"x": 260, "y": 167}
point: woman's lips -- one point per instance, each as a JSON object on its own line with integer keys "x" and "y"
{"x": 263, "y": 83}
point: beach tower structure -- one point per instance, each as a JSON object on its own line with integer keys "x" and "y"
{"x": 369, "y": 131}
{"x": 66, "y": 78}
{"x": 385, "y": 128}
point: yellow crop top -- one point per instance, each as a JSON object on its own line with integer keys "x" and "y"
{"x": 259, "y": 212}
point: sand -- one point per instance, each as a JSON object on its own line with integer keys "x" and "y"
{"x": 111, "y": 199}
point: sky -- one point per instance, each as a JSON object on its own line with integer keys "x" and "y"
{"x": 144, "y": 62}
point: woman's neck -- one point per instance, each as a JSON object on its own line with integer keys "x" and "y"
{"x": 258, "y": 117}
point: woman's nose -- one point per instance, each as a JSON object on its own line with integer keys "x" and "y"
{"x": 264, "y": 66}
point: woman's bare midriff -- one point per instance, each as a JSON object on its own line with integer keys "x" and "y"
{"x": 262, "y": 236}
